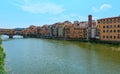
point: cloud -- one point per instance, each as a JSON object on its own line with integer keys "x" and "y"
{"x": 40, "y": 7}
{"x": 102, "y": 8}
{"x": 105, "y": 6}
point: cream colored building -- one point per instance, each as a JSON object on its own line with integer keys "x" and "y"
{"x": 109, "y": 28}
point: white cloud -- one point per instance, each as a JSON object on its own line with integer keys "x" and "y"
{"x": 105, "y": 6}
{"x": 102, "y": 8}
{"x": 40, "y": 7}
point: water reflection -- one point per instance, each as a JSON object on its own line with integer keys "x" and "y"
{"x": 6, "y": 38}
{"x": 17, "y": 37}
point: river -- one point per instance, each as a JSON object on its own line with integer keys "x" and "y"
{"x": 46, "y": 56}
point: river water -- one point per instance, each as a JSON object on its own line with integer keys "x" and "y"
{"x": 45, "y": 56}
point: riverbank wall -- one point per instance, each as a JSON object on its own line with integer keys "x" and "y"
{"x": 82, "y": 40}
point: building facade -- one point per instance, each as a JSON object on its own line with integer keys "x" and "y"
{"x": 60, "y": 28}
{"x": 67, "y": 25}
{"x": 109, "y": 28}
{"x": 77, "y": 32}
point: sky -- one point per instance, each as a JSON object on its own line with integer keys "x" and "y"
{"x": 23, "y": 13}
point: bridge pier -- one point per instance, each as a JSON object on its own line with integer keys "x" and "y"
{"x": 10, "y": 36}
{"x": 24, "y": 35}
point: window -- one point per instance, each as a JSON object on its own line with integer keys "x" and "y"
{"x": 98, "y": 21}
{"x": 110, "y": 26}
{"x": 110, "y": 36}
{"x": 119, "y": 19}
{"x": 119, "y": 26}
{"x": 103, "y": 26}
{"x": 103, "y": 36}
{"x": 107, "y": 26}
{"x": 103, "y": 30}
{"x": 110, "y": 30}
{"x": 114, "y": 30}
{"x": 106, "y": 36}
{"x": 114, "y": 37}
{"x": 118, "y": 30}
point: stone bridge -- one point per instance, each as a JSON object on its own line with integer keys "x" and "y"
{"x": 12, "y": 32}
{"x": 25, "y": 32}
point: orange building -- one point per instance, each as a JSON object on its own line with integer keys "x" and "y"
{"x": 67, "y": 31}
{"x": 30, "y": 30}
{"x": 67, "y": 25}
{"x": 44, "y": 31}
{"x": 109, "y": 28}
{"x": 76, "y": 32}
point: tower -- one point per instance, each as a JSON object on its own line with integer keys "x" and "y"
{"x": 89, "y": 27}
{"x": 90, "y": 21}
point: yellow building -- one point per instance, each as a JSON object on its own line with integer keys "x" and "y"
{"x": 109, "y": 28}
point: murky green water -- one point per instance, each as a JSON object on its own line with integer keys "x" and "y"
{"x": 43, "y": 56}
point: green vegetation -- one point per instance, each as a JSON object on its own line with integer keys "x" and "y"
{"x": 2, "y": 56}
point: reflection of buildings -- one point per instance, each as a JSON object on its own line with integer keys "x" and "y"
{"x": 109, "y": 28}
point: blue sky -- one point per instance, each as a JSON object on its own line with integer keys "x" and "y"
{"x": 22, "y": 13}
